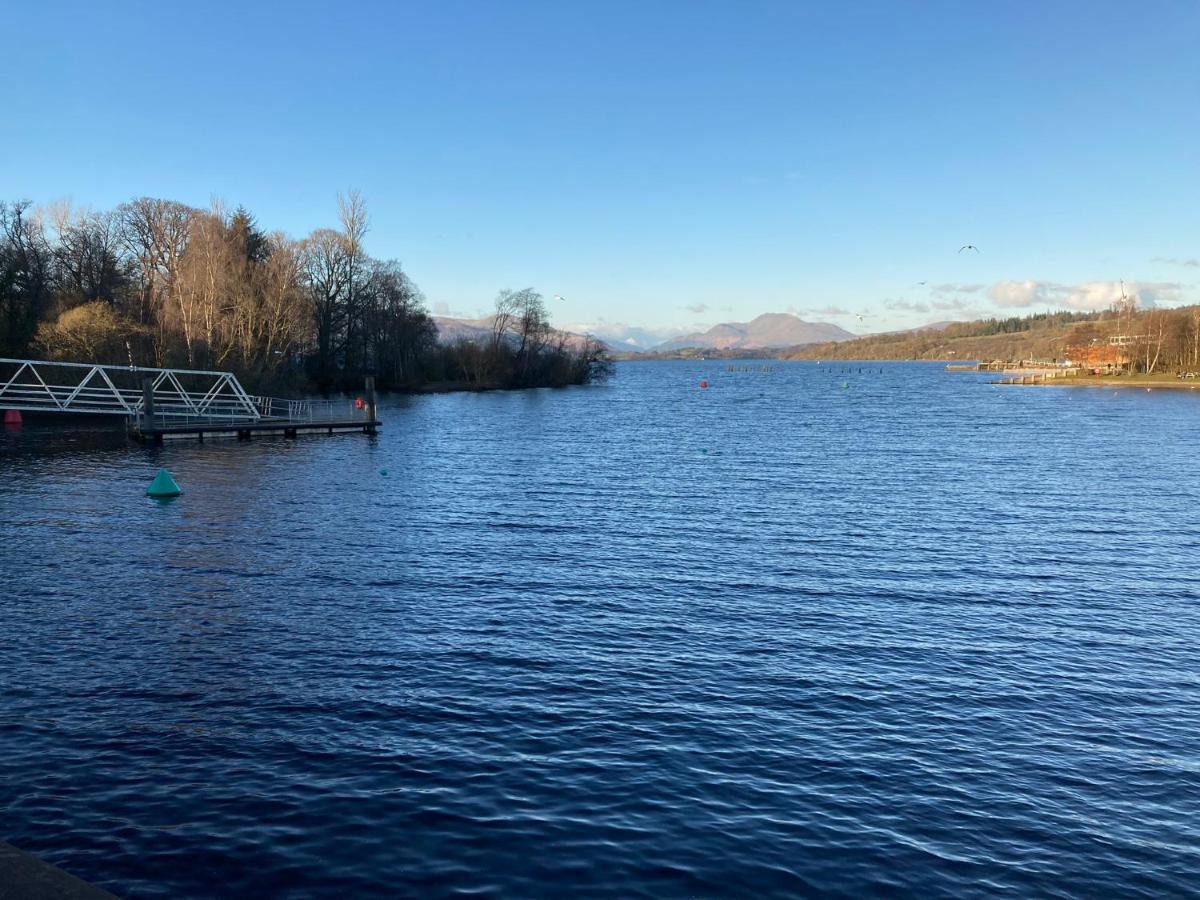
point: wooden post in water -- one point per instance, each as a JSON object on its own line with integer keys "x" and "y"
{"x": 370, "y": 404}
{"x": 147, "y": 403}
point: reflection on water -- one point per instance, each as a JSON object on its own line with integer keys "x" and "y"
{"x": 774, "y": 636}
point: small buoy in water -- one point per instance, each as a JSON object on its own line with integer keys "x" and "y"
{"x": 163, "y": 485}
{"x": 12, "y": 417}
{"x": 845, "y": 385}
{"x": 703, "y": 383}
{"x": 383, "y": 472}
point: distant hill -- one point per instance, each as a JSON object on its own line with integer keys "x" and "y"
{"x": 770, "y": 330}
{"x": 1036, "y": 336}
{"x": 452, "y": 330}
{"x": 936, "y": 326}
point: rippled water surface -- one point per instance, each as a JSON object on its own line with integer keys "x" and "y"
{"x": 916, "y": 634}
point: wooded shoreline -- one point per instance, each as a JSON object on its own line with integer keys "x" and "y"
{"x": 160, "y": 284}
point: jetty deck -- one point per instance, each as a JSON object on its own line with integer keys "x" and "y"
{"x": 143, "y": 432}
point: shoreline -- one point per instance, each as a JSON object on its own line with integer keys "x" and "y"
{"x": 1101, "y": 382}
{"x": 1110, "y": 382}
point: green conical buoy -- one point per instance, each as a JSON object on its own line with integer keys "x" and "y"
{"x": 845, "y": 384}
{"x": 163, "y": 485}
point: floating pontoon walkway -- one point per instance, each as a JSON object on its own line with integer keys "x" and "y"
{"x": 175, "y": 402}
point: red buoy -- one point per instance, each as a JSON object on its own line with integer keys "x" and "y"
{"x": 12, "y": 417}
{"x": 359, "y": 404}
{"x": 703, "y": 383}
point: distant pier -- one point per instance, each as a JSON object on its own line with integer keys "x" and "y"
{"x": 1038, "y": 377}
{"x": 1011, "y": 366}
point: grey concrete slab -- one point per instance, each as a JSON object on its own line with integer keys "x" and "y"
{"x": 25, "y": 877}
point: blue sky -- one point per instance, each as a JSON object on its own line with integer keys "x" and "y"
{"x": 667, "y": 164}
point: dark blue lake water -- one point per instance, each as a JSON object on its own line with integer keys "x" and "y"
{"x": 918, "y": 635}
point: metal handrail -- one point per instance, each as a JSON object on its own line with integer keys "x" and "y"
{"x": 217, "y": 397}
{"x": 35, "y": 385}
{"x": 136, "y": 369}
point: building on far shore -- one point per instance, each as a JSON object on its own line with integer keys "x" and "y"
{"x": 1102, "y": 359}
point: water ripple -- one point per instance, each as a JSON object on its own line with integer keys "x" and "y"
{"x": 921, "y": 636}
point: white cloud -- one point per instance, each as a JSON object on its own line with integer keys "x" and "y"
{"x": 819, "y": 311}
{"x": 1157, "y": 293}
{"x": 1102, "y": 294}
{"x": 1019, "y": 293}
{"x": 1191, "y": 262}
{"x": 954, "y": 304}
{"x": 903, "y": 305}
{"x": 950, "y": 290}
{"x": 1088, "y": 295}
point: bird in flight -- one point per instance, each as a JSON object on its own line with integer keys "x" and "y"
{"x": 860, "y": 317}
{"x": 968, "y": 247}
{"x": 559, "y": 297}
{"x": 922, "y": 282}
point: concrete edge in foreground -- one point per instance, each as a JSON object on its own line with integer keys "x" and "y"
{"x": 25, "y": 877}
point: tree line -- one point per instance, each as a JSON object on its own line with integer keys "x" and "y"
{"x": 1154, "y": 340}
{"x": 159, "y": 283}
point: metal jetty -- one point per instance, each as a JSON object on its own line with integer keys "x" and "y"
{"x": 161, "y": 402}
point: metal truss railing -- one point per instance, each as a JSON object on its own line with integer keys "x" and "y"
{"x": 48, "y": 386}
{"x": 178, "y": 396}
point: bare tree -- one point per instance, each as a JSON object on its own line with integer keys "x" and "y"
{"x": 508, "y": 305}
{"x": 155, "y": 234}
{"x": 89, "y": 264}
{"x": 25, "y": 276}
{"x": 533, "y": 330}
{"x": 326, "y": 276}
{"x": 352, "y": 214}
{"x": 276, "y": 327}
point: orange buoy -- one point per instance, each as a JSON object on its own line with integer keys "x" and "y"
{"x": 359, "y": 403}
{"x": 703, "y": 383}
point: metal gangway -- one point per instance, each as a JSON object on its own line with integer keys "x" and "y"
{"x": 156, "y": 402}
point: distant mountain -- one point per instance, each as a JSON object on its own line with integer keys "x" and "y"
{"x": 630, "y": 338}
{"x": 768, "y": 330}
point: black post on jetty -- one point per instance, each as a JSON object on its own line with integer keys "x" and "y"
{"x": 147, "y": 404}
{"x": 370, "y": 386}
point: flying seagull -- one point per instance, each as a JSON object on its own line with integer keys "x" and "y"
{"x": 968, "y": 247}
{"x": 860, "y": 317}
{"x": 922, "y": 282}
{"x": 559, "y": 297}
